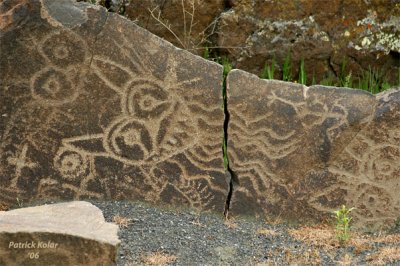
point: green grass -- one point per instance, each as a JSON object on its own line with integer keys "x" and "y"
{"x": 372, "y": 79}
{"x": 302, "y": 73}
{"x": 287, "y": 69}
{"x": 269, "y": 70}
{"x": 206, "y": 54}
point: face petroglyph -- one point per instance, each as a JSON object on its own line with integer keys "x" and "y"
{"x": 100, "y": 106}
{"x": 154, "y": 125}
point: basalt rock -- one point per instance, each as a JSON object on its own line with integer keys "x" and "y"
{"x": 73, "y": 233}
{"x": 93, "y": 106}
{"x": 252, "y": 32}
{"x": 324, "y": 33}
{"x": 301, "y": 152}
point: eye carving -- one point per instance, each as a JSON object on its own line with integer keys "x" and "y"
{"x": 146, "y": 100}
{"x": 53, "y": 87}
{"x": 128, "y": 140}
{"x": 63, "y": 49}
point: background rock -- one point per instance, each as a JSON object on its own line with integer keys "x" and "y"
{"x": 251, "y": 32}
{"x": 73, "y": 233}
{"x": 94, "y": 106}
{"x": 300, "y": 152}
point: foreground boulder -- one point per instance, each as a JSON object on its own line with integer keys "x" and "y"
{"x": 93, "y": 106}
{"x": 301, "y": 152}
{"x": 73, "y": 233}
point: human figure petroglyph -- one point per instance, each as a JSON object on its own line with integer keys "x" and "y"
{"x": 20, "y": 162}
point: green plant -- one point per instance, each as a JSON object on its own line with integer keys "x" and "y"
{"x": 313, "y": 80}
{"x": 343, "y": 223}
{"x": 227, "y": 67}
{"x": 20, "y": 202}
{"x": 302, "y": 73}
{"x": 343, "y": 77}
{"x": 373, "y": 80}
{"x": 206, "y": 54}
{"x": 287, "y": 69}
{"x": 327, "y": 81}
{"x": 348, "y": 81}
{"x": 398, "y": 77}
{"x": 269, "y": 70}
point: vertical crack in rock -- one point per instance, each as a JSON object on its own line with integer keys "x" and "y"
{"x": 233, "y": 180}
{"x": 96, "y": 38}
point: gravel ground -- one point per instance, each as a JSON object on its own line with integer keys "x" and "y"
{"x": 162, "y": 236}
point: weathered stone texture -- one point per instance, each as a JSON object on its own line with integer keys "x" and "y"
{"x": 73, "y": 233}
{"x": 369, "y": 167}
{"x": 300, "y": 152}
{"x": 93, "y": 106}
{"x": 253, "y": 32}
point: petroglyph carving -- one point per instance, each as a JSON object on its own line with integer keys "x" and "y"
{"x": 154, "y": 126}
{"x": 103, "y": 112}
{"x": 21, "y": 161}
{"x": 302, "y": 152}
{"x": 94, "y": 111}
{"x": 53, "y": 87}
{"x": 71, "y": 164}
{"x": 60, "y": 80}
{"x": 63, "y": 49}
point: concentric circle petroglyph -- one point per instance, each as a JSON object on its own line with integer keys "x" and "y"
{"x": 373, "y": 201}
{"x": 383, "y": 163}
{"x": 128, "y": 140}
{"x": 71, "y": 164}
{"x": 53, "y": 87}
{"x": 64, "y": 49}
{"x": 145, "y": 99}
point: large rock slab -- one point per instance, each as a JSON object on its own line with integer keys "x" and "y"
{"x": 93, "y": 106}
{"x": 301, "y": 152}
{"x": 73, "y": 233}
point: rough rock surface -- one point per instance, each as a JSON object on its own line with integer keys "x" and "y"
{"x": 73, "y": 233}
{"x": 301, "y": 152}
{"x": 93, "y": 106}
{"x": 324, "y": 33}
